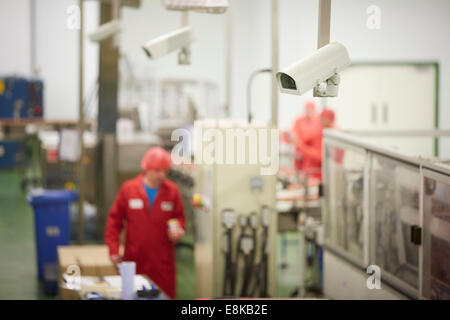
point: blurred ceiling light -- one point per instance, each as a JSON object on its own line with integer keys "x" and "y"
{"x": 203, "y": 6}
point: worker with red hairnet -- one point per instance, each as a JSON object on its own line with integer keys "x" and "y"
{"x": 304, "y": 130}
{"x": 311, "y": 150}
{"x": 150, "y": 208}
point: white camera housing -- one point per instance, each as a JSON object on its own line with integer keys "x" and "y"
{"x": 106, "y": 30}
{"x": 178, "y": 39}
{"x": 311, "y": 72}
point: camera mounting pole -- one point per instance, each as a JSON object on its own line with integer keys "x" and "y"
{"x": 184, "y": 56}
{"x": 81, "y": 127}
{"x": 330, "y": 87}
{"x": 323, "y": 36}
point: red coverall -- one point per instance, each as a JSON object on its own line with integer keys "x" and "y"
{"x": 311, "y": 152}
{"x": 307, "y": 133}
{"x": 147, "y": 242}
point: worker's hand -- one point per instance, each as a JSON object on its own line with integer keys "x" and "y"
{"x": 115, "y": 259}
{"x": 176, "y": 236}
{"x": 175, "y": 231}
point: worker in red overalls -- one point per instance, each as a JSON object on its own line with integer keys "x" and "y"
{"x": 150, "y": 208}
{"x": 304, "y": 131}
{"x": 311, "y": 149}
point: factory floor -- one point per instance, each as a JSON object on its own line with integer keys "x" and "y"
{"x": 18, "y": 274}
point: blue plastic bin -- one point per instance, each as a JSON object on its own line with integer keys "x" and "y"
{"x": 52, "y": 225}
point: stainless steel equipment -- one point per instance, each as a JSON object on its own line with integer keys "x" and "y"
{"x": 386, "y": 209}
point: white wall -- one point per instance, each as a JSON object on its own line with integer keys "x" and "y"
{"x": 14, "y": 37}
{"x": 56, "y": 50}
{"x": 57, "y": 56}
{"x": 411, "y": 30}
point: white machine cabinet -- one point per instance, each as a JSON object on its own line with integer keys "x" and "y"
{"x": 389, "y": 96}
{"x": 242, "y": 189}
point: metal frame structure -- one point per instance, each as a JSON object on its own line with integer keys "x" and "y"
{"x": 425, "y": 280}
{"x": 432, "y": 168}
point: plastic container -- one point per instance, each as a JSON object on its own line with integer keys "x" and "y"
{"x": 52, "y": 227}
{"x": 127, "y": 272}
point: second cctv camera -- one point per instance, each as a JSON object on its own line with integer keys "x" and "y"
{"x": 169, "y": 42}
{"x": 318, "y": 71}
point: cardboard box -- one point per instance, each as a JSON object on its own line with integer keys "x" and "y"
{"x": 92, "y": 260}
{"x": 68, "y": 294}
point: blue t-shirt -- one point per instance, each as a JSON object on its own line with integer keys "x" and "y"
{"x": 151, "y": 193}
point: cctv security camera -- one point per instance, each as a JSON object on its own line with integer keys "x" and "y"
{"x": 105, "y": 31}
{"x": 178, "y": 39}
{"x": 318, "y": 71}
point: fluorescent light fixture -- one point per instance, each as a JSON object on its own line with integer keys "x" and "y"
{"x": 204, "y": 6}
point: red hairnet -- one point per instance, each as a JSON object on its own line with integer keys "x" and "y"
{"x": 156, "y": 159}
{"x": 327, "y": 114}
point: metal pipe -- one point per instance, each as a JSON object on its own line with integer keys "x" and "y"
{"x": 408, "y": 133}
{"x": 184, "y": 18}
{"x": 303, "y": 264}
{"x": 275, "y": 59}
{"x": 249, "y": 95}
{"x": 81, "y": 131}
{"x": 228, "y": 59}
{"x": 107, "y": 120}
{"x": 115, "y": 9}
{"x": 184, "y": 56}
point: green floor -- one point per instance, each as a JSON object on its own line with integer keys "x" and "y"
{"x": 18, "y": 274}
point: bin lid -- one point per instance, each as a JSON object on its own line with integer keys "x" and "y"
{"x": 44, "y": 196}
